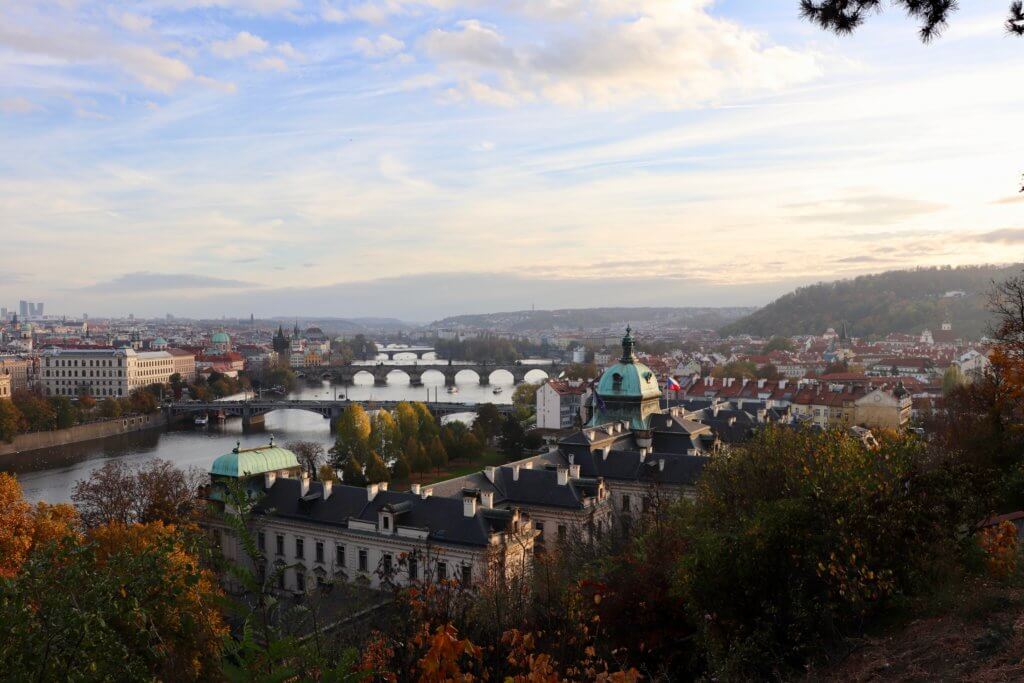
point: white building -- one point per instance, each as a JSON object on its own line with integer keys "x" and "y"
{"x": 108, "y": 372}
{"x": 559, "y": 403}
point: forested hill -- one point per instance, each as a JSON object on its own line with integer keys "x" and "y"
{"x": 577, "y": 318}
{"x": 875, "y": 305}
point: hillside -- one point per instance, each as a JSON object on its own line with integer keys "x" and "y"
{"x": 875, "y": 305}
{"x": 591, "y": 318}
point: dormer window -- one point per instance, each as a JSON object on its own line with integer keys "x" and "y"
{"x": 616, "y": 381}
{"x": 386, "y": 522}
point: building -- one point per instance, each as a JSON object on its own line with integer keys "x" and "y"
{"x": 107, "y": 372}
{"x": 317, "y": 532}
{"x": 5, "y": 385}
{"x": 559, "y": 403}
{"x": 20, "y": 370}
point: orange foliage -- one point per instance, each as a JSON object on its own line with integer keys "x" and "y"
{"x": 999, "y": 542}
{"x": 23, "y": 526}
{"x": 445, "y": 655}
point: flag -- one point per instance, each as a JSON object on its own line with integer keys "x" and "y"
{"x": 672, "y": 385}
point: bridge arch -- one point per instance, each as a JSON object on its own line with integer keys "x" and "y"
{"x": 536, "y": 375}
{"x": 432, "y": 376}
{"x": 501, "y": 376}
{"x": 465, "y": 373}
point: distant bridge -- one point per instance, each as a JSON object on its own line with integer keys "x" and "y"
{"x": 253, "y": 411}
{"x": 419, "y": 351}
{"x": 346, "y": 374}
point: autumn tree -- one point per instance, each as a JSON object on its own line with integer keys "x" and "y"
{"x": 310, "y": 455}
{"x": 438, "y": 456}
{"x": 524, "y": 398}
{"x": 487, "y": 424}
{"x": 376, "y": 471}
{"x": 385, "y": 437}
{"x": 353, "y": 438}
{"x": 408, "y": 421}
{"x": 12, "y": 422}
{"x": 37, "y": 411}
{"x": 120, "y": 493}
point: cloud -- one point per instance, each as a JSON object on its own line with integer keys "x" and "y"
{"x": 675, "y": 53}
{"x": 243, "y": 44}
{"x": 150, "y": 282}
{"x": 272, "y": 64}
{"x": 862, "y": 210}
{"x": 133, "y": 22}
{"x": 383, "y": 46}
{"x": 18, "y": 105}
{"x": 1002, "y": 236}
{"x": 862, "y": 259}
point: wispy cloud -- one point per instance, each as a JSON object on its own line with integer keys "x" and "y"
{"x": 863, "y": 210}
{"x": 150, "y": 282}
{"x": 1002, "y": 236}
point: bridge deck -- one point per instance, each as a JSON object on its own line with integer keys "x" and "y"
{"x": 326, "y": 408}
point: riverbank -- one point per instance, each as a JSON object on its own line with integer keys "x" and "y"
{"x": 35, "y": 441}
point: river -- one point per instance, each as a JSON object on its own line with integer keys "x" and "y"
{"x": 50, "y": 474}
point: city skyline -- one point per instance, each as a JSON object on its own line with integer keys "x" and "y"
{"x": 425, "y": 158}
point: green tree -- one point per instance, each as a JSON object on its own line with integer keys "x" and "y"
{"x": 427, "y": 425}
{"x": 39, "y": 414}
{"x": 12, "y": 422}
{"x": 352, "y": 472}
{"x": 513, "y": 437}
{"x": 408, "y": 421}
{"x": 438, "y": 456}
{"x": 524, "y": 398}
{"x": 417, "y": 457}
{"x": 951, "y": 379}
{"x": 65, "y": 411}
{"x": 401, "y": 470}
{"x": 470, "y": 447}
{"x": 353, "y": 438}
{"x": 376, "y": 470}
{"x": 110, "y": 408}
{"x": 778, "y": 343}
{"x": 385, "y": 437}
{"x": 488, "y": 422}
{"x": 584, "y": 371}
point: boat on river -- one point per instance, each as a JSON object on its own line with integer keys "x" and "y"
{"x": 202, "y": 420}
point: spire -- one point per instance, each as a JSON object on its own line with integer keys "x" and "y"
{"x": 627, "y": 346}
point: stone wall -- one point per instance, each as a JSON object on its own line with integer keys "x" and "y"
{"x": 86, "y": 432}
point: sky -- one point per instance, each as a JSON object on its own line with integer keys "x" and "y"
{"x": 423, "y": 158}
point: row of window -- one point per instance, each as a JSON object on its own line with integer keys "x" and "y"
{"x": 363, "y": 558}
{"x": 74, "y": 363}
{"x": 91, "y": 373}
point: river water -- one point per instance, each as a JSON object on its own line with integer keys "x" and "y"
{"x": 50, "y": 474}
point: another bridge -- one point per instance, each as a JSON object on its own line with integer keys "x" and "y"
{"x": 346, "y": 374}
{"x": 418, "y": 351}
{"x": 253, "y": 411}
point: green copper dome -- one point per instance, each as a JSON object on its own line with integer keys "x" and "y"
{"x": 242, "y": 462}
{"x": 221, "y": 338}
{"x": 629, "y": 378}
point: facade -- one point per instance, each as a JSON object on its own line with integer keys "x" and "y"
{"x": 5, "y": 385}
{"x": 19, "y": 369}
{"x": 321, "y": 531}
{"x": 106, "y": 372}
{"x": 559, "y": 403}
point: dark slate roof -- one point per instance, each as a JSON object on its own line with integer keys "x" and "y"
{"x": 443, "y": 517}
{"x": 536, "y": 487}
{"x": 682, "y": 470}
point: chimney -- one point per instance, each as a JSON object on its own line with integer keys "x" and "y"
{"x": 563, "y": 476}
{"x": 760, "y": 384}
{"x": 487, "y": 499}
{"x": 489, "y": 473}
{"x": 469, "y": 506}
{"x": 714, "y": 410}
{"x": 783, "y": 383}
{"x": 661, "y": 465}
{"x": 745, "y": 380}
{"x": 515, "y": 472}
{"x": 574, "y": 471}
{"x": 605, "y": 451}
{"x": 304, "y": 486}
{"x": 426, "y": 493}
{"x": 268, "y": 479}
{"x": 328, "y": 488}
{"x": 527, "y": 465}
{"x": 383, "y": 486}
{"x": 415, "y": 488}
{"x": 371, "y": 491}
{"x": 643, "y": 454}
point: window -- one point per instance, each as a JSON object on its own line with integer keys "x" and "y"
{"x": 386, "y": 522}
{"x": 300, "y": 581}
{"x": 362, "y": 560}
{"x": 339, "y": 555}
{"x": 280, "y": 580}
{"x": 625, "y": 503}
{"x": 320, "y": 552}
{"x": 385, "y": 562}
{"x": 299, "y": 549}
{"x": 263, "y": 541}
{"x": 467, "y": 574}
{"x": 414, "y": 568}
{"x": 442, "y": 571}
{"x": 539, "y": 526}
{"x": 280, "y": 544}
{"x": 561, "y": 532}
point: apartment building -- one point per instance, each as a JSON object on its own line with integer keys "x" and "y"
{"x": 108, "y": 372}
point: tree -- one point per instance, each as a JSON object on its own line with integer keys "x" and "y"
{"x": 778, "y": 343}
{"x": 310, "y": 455}
{"x": 951, "y": 379}
{"x": 582, "y": 371}
{"x": 12, "y": 422}
{"x": 408, "y": 421}
{"x": 470, "y": 446}
{"x": 352, "y": 472}
{"x": 39, "y": 414}
{"x": 384, "y": 436}
{"x": 143, "y": 401}
{"x": 110, "y": 408}
{"x": 401, "y": 470}
{"x": 513, "y": 437}
{"x": 176, "y": 385}
{"x": 438, "y": 456}
{"x": 119, "y": 493}
{"x": 427, "y": 425}
{"x": 416, "y": 455}
{"x": 844, "y": 16}
{"x": 376, "y": 470}
{"x": 767, "y": 371}
{"x": 739, "y": 369}
{"x": 353, "y": 440}
{"x": 524, "y": 398}
{"x": 66, "y": 415}
{"x": 488, "y": 422}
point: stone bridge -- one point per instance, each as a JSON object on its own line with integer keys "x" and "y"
{"x": 419, "y": 351}
{"x": 346, "y": 374}
{"x": 253, "y": 411}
